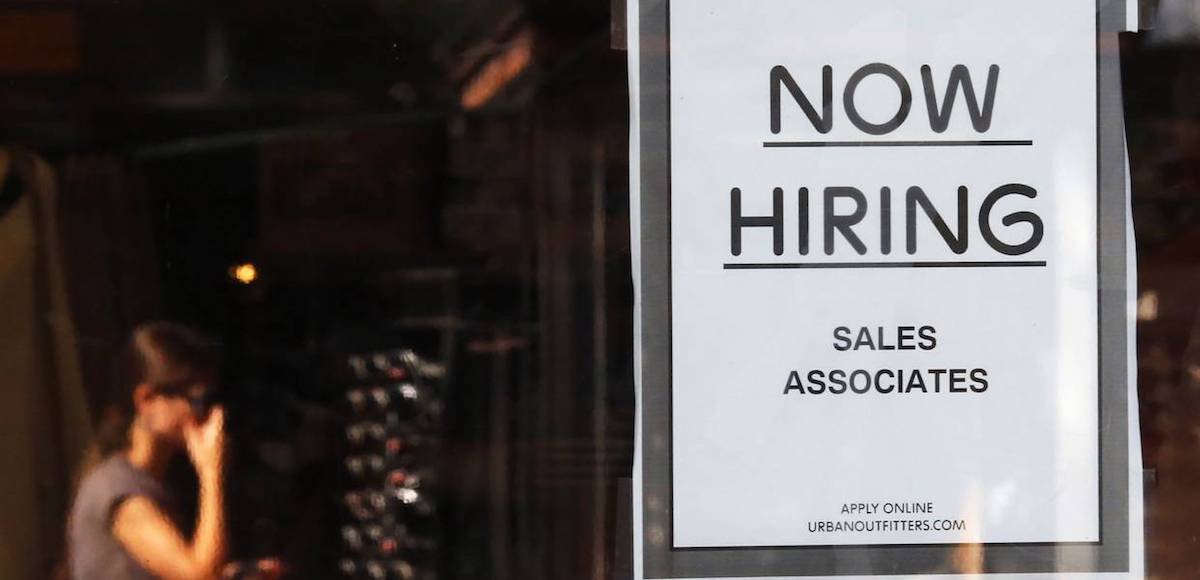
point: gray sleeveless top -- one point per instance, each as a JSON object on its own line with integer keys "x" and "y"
{"x": 95, "y": 552}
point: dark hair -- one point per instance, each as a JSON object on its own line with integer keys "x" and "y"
{"x": 165, "y": 355}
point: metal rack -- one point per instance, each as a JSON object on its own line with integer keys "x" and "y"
{"x": 392, "y": 408}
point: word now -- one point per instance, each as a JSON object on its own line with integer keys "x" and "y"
{"x": 939, "y": 116}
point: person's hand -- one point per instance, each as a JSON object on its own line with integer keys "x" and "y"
{"x": 206, "y": 443}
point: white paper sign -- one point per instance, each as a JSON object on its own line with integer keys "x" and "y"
{"x": 883, "y": 286}
{"x": 924, "y": 387}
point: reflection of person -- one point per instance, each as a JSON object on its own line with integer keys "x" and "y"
{"x": 123, "y": 525}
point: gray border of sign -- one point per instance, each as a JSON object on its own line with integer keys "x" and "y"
{"x": 660, "y": 560}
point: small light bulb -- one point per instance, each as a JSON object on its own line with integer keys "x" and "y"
{"x": 245, "y": 273}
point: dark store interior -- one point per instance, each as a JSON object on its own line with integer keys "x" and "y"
{"x": 308, "y": 181}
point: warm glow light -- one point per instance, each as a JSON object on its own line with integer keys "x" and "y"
{"x": 497, "y": 73}
{"x": 1147, "y": 306}
{"x": 245, "y": 273}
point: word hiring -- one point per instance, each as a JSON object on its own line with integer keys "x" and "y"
{"x": 939, "y": 115}
{"x": 850, "y": 226}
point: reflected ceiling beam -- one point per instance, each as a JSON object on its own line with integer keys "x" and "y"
{"x": 205, "y": 143}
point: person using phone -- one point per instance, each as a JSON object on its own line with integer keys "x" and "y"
{"x": 123, "y": 524}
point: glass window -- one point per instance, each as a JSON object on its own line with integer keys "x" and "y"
{"x": 301, "y": 289}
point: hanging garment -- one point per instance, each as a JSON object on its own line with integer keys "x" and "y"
{"x": 44, "y": 422}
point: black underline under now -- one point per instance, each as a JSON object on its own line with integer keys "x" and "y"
{"x": 881, "y": 265}
{"x": 801, "y": 144}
